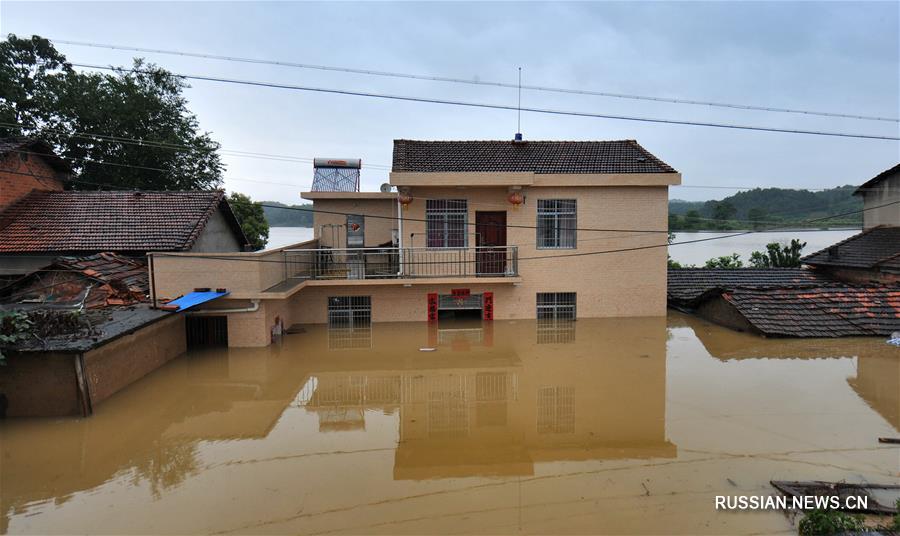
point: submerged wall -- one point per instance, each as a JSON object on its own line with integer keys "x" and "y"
{"x": 54, "y": 384}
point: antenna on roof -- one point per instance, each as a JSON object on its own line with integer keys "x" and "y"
{"x": 519, "y": 110}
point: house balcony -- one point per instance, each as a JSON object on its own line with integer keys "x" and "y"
{"x": 400, "y": 263}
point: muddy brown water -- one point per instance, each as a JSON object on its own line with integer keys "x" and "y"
{"x": 624, "y": 426}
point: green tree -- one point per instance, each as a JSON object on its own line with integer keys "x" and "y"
{"x": 729, "y": 262}
{"x": 778, "y": 255}
{"x": 692, "y": 219}
{"x": 723, "y": 212}
{"x": 252, "y": 219}
{"x": 93, "y": 118}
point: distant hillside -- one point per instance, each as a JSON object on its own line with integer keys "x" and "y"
{"x": 766, "y": 206}
{"x": 290, "y": 216}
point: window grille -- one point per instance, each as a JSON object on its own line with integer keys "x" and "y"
{"x": 556, "y": 224}
{"x": 556, "y": 410}
{"x": 556, "y": 305}
{"x": 445, "y": 223}
{"x": 553, "y": 331}
{"x": 349, "y": 311}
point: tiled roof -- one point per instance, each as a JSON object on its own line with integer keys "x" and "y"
{"x": 109, "y": 221}
{"x": 96, "y": 280}
{"x": 30, "y": 145}
{"x": 877, "y": 178}
{"x": 878, "y": 247}
{"x": 624, "y": 156}
{"x": 688, "y": 285}
{"x": 828, "y": 311}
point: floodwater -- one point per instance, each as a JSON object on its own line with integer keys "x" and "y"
{"x": 620, "y": 426}
{"x": 699, "y": 252}
{"x": 286, "y": 236}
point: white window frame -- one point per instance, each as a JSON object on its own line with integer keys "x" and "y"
{"x": 557, "y": 217}
{"x": 446, "y": 213}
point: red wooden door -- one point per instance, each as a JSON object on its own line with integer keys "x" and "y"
{"x": 490, "y": 239}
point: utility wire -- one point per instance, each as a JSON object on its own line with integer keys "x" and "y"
{"x": 467, "y": 223}
{"x": 482, "y": 105}
{"x": 475, "y": 82}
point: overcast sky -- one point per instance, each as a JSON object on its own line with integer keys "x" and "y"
{"x": 837, "y": 57}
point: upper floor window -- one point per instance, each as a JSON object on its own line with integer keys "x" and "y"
{"x": 556, "y": 223}
{"x": 445, "y": 223}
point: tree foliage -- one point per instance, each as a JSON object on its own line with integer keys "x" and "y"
{"x": 14, "y": 327}
{"x": 729, "y": 262}
{"x": 252, "y": 219}
{"x": 778, "y": 255}
{"x": 92, "y": 119}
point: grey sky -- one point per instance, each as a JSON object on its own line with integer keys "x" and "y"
{"x": 842, "y": 57}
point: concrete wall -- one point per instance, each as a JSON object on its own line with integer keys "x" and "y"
{"x": 24, "y": 264}
{"x": 217, "y": 236}
{"x": 21, "y": 173}
{"x": 886, "y": 191}
{"x": 721, "y": 312}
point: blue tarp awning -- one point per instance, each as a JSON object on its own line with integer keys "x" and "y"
{"x": 194, "y": 298}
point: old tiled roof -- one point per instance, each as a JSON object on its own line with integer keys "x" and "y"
{"x": 109, "y": 221}
{"x": 28, "y": 146}
{"x": 688, "y": 285}
{"x": 877, "y": 178}
{"x": 624, "y": 156}
{"x": 96, "y": 280}
{"x": 828, "y": 311}
{"x": 875, "y": 248}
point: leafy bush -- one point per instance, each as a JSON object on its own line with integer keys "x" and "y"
{"x": 818, "y": 522}
{"x": 778, "y": 255}
{"x": 14, "y": 326}
{"x": 729, "y": 262}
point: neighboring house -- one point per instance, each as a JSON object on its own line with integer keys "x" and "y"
{"x": 26, "y": 165}
{"x": 44, "y": 225}
{"x": 881, "y": 199}
{"x": 851, "y": 288}
{"x": 492, "y": 229}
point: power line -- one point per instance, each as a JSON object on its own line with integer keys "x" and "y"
{"x": 467, "y": 223}
{"x": 177, "y": 147}
{"x": 476, "y": 82}
{"x": 481, "y": 105}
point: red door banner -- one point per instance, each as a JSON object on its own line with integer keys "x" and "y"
{"x": 432, "y": 307}
{"x": 487, "y": 307}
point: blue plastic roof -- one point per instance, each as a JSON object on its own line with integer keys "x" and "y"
{"x": 195, "y": 298}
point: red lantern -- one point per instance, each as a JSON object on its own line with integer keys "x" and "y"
{"x": 405, "y": 199}
{"x": 516, "y": 198}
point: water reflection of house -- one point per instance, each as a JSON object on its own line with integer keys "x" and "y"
{"x": 498, "y": 411}
{"x": 877, "y": 379}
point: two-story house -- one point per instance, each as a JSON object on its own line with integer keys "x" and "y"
{"x": 490, "y": 229}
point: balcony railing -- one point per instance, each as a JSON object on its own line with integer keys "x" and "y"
{"x": 394, "y": 263}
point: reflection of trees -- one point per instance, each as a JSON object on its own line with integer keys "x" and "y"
{"x": 166, "y": 465}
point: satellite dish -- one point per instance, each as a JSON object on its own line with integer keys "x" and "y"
{"x": 385, "y": 188}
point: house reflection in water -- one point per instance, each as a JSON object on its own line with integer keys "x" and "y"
{"x": 495, "y": 399}
{"x": 877, "y": 379}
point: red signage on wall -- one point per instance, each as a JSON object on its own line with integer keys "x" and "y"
{"x": 432, "y": 307}
{"x": 460, "y": 292}
{"x": 487, "y": 307}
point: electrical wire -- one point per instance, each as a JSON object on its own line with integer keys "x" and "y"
{"x": 481, "y": 105}
{"x": 371, "y": 72}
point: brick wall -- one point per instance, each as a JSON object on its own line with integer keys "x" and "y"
{"x": 21, "y": 173}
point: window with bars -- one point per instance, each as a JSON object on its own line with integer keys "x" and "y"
{"x": 556, "y": 224}
{"x": 445, "y": 223}
{"x": 556, "y": 305}
{"x": 349, "y": 311}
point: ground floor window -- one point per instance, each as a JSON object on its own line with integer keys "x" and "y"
{"x": 556, "y": 305}
{"x": 349, "y": 311}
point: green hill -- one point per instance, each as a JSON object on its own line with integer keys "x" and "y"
{"x": 762, "y": 207}
{"x": 289, "y": 216}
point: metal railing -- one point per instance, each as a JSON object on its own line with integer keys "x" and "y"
{"x": 394, "y": 263}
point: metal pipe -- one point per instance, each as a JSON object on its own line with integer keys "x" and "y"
{"x": 152, "y": 281}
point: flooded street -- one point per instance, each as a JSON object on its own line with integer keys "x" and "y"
{"x": 618, "y": 426}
